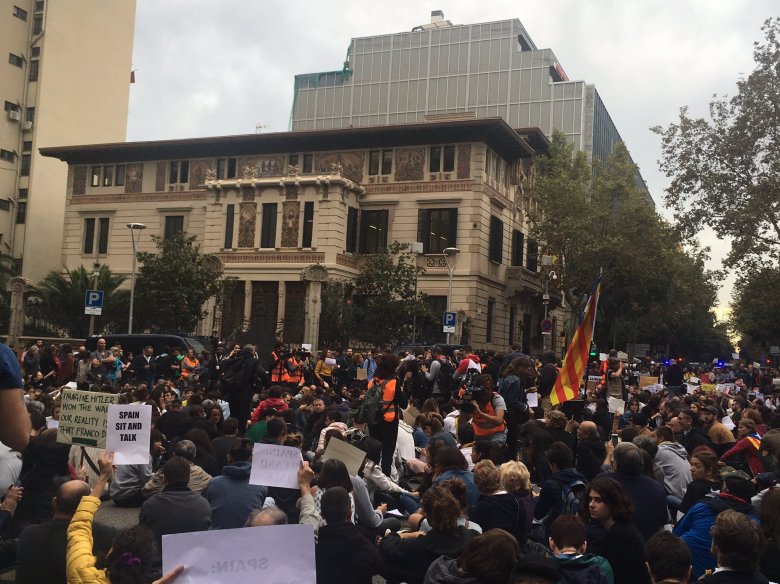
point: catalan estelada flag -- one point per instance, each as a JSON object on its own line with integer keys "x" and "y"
{"x": 567, "y": 386}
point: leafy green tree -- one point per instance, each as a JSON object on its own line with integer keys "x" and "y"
{"x": 337, "y": 316}
{"x": 725, "y": 170}
{"x": 174, "y": 284}
{"x": 61, "y": 306}
{"x": 755, "y": 308}
{"x": 8, "y": 269}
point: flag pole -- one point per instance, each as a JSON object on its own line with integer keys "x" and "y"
{"x": 592, "y": 334}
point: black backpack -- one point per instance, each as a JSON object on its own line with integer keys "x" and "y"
{"x": 572, "y": 493}
{"x": 232, "y": 374}
{"x": 373, "y": 407}
{"x": 444, "y": 380}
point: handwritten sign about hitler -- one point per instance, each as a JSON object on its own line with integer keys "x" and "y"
{"x": 83, "y": 417}
{"x": 275, "y": 466}
{"x": 248, "y": 554}
{"x": 129, "y": 432}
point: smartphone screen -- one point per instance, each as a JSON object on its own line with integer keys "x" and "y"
{"x": 614, "y": 439}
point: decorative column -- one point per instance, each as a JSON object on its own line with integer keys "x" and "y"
{"x": 314, "y": 276}
{"x": 247, "y": 305}
{"x": 18, "y": 288}
{"x": 280, "y": 307}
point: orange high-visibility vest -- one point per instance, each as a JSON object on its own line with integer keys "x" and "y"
{"x": 276, "y": 375}
{"x": 483, "y": 427}
{"x": 296, "y": 375}
{"x": 388, "y": 399}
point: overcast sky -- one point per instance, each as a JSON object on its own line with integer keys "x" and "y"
{"x": 216, "y": 67}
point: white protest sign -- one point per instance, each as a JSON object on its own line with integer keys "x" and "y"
{"x": 594, "y": 378}
{"x": 728, "y": 422}
{"x": 654, "y": 388}
{"x": 532, "y": 399}
{"x": 306, "y": 347}
{"x": 690, "y": 388}
{"x": 129, "y": 433}
{"x": 275, "y": 466}
{"x": 270, "y": 554}
{"x": 725, "y": 387}
{"x": 616, "y": 406}
{"x": 350, "y": 455}
{"x": 83, "y": 417}
{"x": 735, "y": 356}
{"x": 52, "y": 424}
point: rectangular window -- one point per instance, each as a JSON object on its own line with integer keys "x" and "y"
{"x": 496, "y": 253}
{"x": 512, "y": 325}
{"x": 5, "y": 205}
{"x": 380, "y": 162}
{"x": 230, "y": 211}
{"x": 518, "y": 240}
{"x": 226, "y": 168}
{"x": 25, "y": 167}
{"x": 174, "y": 224}
{"x": 442, "y": 159}
{"x": 308, "y": 163}
{"x": 179, "y": 171}
{"x": 33, "y": 72}
{"x": 15, "y": 60}
{"x": 21, "y": 212}
{"x": 352, "y": 230}
{"x": 268, "y": 230}
{"x": 119, "y": 178}
{"x": 11, "y": 107}
{"x": 308, "y": 223}
{"x": 23, "y": 193}
{"x": 7, "y": 155}
{"x": 437, "y": 229}
{"x": 89, "y": 235}
{"x": 27, "y": 146}
{"x": 39, "y": 4}
{"x": 108, "y": 176}
{"x": 292, "y": 160}
{"x": 30, "y": 116}
{"x": 37, "y": 25}
{"x": 533, "y": 255}
{"x": 373, "y": 231}
{"x": 491, "y": 309}
{"x": 20, "y": 13}
{"x": 103, "y": 225}
{"x": 35, "y": 52}
{"x": 97, "y": 173}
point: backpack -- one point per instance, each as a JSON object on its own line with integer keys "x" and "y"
{"x": 371, "y": 410}
{"x": 232, "y": 375}
{"x": 571, "y": 495}
{"x": 444, "y": 379}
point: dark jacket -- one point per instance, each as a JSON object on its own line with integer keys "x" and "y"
{"x": 584, "y": 569}
{"x": 407, "y": 560}
{"x": 590, "y": 457}
{"x": 232, "y": 498}
{"x": 550, "y": 501}
{"x": 729, "y": 577}
{"x": 345, "y": 556}
{"x": 649, "y": 498}
{"x": 624, "y": 549}
{"x": 548, "y": 374}
{"x": 248, "y": 377}
{"x": 172, "y": 424}
{"x": 41, "y": 555}
{"x": 142, "y": 374}
{"x": 445, "y": 571}
{"x": 175, "y": 510}
{"x": 506, "y": 511}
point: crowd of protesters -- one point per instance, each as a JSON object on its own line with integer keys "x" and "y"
{"x": 468, "y": 476}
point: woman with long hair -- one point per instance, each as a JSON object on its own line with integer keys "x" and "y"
{"x": 505, "y": 500}
{"x": 323, "y": 370}
{"x": 517, "y": 379}
{"x": 608, "y": 504}
{"x": 745, "y": 453}
{"x": 704, "y": 475}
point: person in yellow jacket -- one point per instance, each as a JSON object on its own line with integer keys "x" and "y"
{"x": 131, "y": 554}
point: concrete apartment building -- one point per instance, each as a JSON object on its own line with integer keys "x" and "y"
{"x": 487, "y": 70}
{"x": 64, "y": 79}
{"x": 284, "y": 212}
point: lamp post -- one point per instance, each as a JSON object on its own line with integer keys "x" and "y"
{"x": 547, "y": 261}
{"x": 451, "y": 255}
{"x": 133, "y": 227}
{"x": 416, "y": 250}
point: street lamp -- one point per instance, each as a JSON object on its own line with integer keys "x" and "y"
{"x": 416, "y": 249}
{"x": 133, "y": 227}
{"x": 451, "y": 255}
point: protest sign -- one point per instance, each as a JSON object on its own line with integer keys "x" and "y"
{"x": 691, "y": 388}
{"x": 735, "y": 356}
{"x": 594, "y": 378}
{"x": 362, "y": 374}
{"x": 275, "y": 466}
{"x": 350, "y": 455}
{"x": 532, "y": 399}
{"x": 52, "y": 424}
{"x": 725, "y": 387}
{"x": 728, "y": 422}
{"x": 272, "y": 554}
{"x": 616, "y": 406}
{"x": 654, "y": 388}
{"x": 707, "y": 387}
{"x": 647, "y": 380}
{"x": 83, "y": 417}
{"x": 129, "y": 431}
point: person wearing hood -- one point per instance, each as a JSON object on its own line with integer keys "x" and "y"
{"x": 672, "y": 459}
{"x": 548, "y": 374}
{"x": 470, "y": 361}
{"x": 274, "y": 401}
{"x": 230, "y": 495}
{"x": 747, "y": 448}
{"x": 472, "y": 568}
{"x": 549, "y": 504}
{"x": 695, "y": 527}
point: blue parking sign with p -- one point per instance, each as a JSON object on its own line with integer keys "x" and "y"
{"x": 93, "y": 302}
{"x": 448, "y": 321}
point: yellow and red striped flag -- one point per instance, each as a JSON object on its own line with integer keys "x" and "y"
{"x": 567, "y": 386}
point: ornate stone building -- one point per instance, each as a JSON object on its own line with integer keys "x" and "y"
{"x": 285, "y": 212}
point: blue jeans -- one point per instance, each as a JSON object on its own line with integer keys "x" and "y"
{"x": 676, "y": 390}
{"x": 408, "y": 503}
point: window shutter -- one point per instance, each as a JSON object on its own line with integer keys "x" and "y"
{"x": 453, "y": 238}
{"x": 423, "y": 229}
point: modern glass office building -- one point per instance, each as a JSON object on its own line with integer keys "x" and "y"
{"x": 441, "y": 70}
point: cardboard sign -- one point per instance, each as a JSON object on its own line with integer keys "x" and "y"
{"x": 707, "y": 387}
{"x": 532, "y": 399}
{"x": 647, "y": 380}
{"x": 275, "y": 466}
{"x": 350, "y": 455}
{"x": 272, "y": 554}
{"x": 616, "y": 406}
{"x": 83, "y": 417}
{"x": 362, "y": 374}
{"x": 129, "y": 433}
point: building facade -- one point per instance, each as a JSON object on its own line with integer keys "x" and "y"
{"x": 286, "y": 212}
{"x": 64, "y": 79}
{"x": 488, "y": 70}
